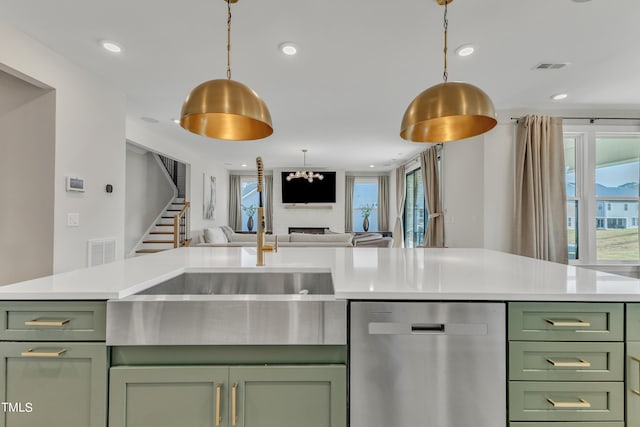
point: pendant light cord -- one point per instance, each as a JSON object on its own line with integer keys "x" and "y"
{"x": 445, "y": 74}
{"x": 228, "y": 39}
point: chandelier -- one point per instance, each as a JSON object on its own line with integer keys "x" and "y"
{"x": 304, "y": 173}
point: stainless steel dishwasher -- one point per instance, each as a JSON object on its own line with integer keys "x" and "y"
{"x": 427, "y": 364}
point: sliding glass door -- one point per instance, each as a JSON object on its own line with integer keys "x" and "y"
{"x": 415, "y": 212}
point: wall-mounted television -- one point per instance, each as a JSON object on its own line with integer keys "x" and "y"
{"x": 302, "y": 191}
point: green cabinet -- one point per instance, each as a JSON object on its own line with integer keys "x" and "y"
{"x": 633, "y": 384}
{"x": 180, "y": 396}
{"x": 228, "y": 396}
{"x": 566, "y": 364}
{"x": 54, "y": 364}
{"x": 633, "y": 365}
{"x": 53, "y": 384}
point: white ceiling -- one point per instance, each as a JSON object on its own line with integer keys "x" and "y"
{"x": 360, "y": 63}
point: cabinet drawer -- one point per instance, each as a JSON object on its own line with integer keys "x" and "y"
{"x": 52, "y": 321}
{"x": 566, "y": 321}
{"x": 566, "y": 361}
{"x": 567, "y": 424}
{"x": 633, "y": 322}
{"x": 566, "y": 401}
{"x": 65, "y": 383}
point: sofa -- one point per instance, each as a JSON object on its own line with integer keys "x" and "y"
{"x": 225, "y": 236}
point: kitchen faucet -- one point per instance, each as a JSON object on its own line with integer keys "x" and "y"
{"x": 260, "y": 237}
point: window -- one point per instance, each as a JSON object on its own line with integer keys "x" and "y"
{"x": 365, "y": 204}
{"x": 415, "y": 212}
{"x": 603, "y": 175}
{"x": 249, "y": 203}
{"x": 570, "y": 145}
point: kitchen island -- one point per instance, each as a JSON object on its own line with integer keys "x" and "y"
{"x": 564, "y": 341}
{"x": 358, "y": 273}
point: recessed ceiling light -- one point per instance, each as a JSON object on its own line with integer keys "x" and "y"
{"x": 244, "y": 165}
{"x": 465, "y": 50}
{"x": 176, "y": 121}
{"x": 111, "y": 46}
{"x": 559, "y": 96}
{"x": 288, "y": 48}
{"x": 372, "y": 166}
{"x": 149, "y": 120}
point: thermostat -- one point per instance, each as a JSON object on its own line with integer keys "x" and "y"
{"x": 75, "y": 183}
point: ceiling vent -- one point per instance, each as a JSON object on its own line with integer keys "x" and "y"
{"x": 550, "y": 65}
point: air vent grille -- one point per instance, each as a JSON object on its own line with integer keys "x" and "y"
{"x": 550, "y": 65}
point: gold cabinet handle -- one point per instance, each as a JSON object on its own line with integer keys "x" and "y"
{"x": 575, "y": 323}
{"x": 234, "y": 416}
{"x": 580, "y": 363}
{"x": 32, "y": 353}
{"x": 47, "y": 322}
{"x": 581, "y": 403}
{"x": 635, "y": 391}
{"x": 218, "y": 393}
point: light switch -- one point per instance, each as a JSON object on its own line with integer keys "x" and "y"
{"x": 73, "y": 219}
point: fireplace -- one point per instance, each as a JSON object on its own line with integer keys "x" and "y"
{"x": 308, "y": 230}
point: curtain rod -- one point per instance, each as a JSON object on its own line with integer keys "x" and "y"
{"x": 591, "y": 119}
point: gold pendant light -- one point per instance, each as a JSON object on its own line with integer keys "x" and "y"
{"x": 226, "y": 109}
{"x": 448, "y": 111}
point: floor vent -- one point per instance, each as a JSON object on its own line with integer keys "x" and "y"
{"x": 550, "y": 66}
{"x": 101, "y": 251}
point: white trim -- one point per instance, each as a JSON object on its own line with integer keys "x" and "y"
{"x": 585, "y": 184}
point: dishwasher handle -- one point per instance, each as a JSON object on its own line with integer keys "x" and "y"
{"x": 427, "y": 328}
{"x": 405, "y": 328}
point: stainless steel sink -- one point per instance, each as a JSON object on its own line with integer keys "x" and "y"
{"x": 267, "y": 283}
{"x": 231, "y": 308}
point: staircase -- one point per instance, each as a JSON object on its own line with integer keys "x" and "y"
{"x": 164, "y": 235}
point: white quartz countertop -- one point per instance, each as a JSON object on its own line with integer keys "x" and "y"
{"x": 358, "y": 273}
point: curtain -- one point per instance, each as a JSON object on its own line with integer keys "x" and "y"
{"x": 540, "y": 199}
{"x": 434, "y": 232}
{"x": 235, "y": 210}
{"x": 398, "y": 233}
{"x": 383, "y": 203}
{"x": 348, "y": 203}
{"x": 268, "y": 189}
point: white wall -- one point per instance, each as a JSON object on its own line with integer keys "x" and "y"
{"x": 199, "y": 160}
{"x": 89, "y": 143}
{"x": 463, "y": 193}
{"x": 148, "y": 191}
{"x": 308, "y": 216}
{"x": 499, "y": 184}
{"x": 26, "y": 180}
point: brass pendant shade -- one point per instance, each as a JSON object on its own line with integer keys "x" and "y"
{"x": 226, "y": 109}
{"x": 448, "y": 112}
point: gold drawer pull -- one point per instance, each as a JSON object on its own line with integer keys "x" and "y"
{"x": 580, "y": 363}
{"x": 581, "y": 403}
{"x": 218, "y": 416}
{"x": 575, "y": 323}
{"x": 634, "y": 391}
{"x": 234, "y": 415}
{"x": 31, "y": 353}
{"x": 47, "y": 322}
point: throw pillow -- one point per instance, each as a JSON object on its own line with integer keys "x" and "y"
{"x": 214, "y": 235}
